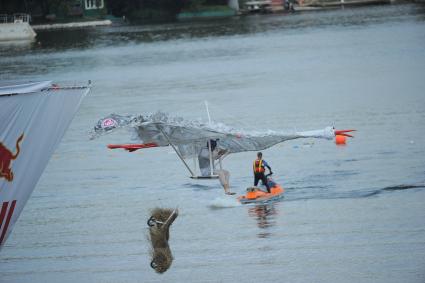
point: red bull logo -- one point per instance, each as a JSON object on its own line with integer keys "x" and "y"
{"x": 109, "y": 123}
{"x": 6, "y": 157}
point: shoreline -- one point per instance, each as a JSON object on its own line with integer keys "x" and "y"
{"x": 187, "y": 16}
{"x": 72, "y": 25}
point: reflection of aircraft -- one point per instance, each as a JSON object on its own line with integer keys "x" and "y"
{"x": 34, "y": 116}
{"x": 195, "y": 140}
{"x": 159, "y": 231}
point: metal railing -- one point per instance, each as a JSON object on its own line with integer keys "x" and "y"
{"x": 15, "y": 18}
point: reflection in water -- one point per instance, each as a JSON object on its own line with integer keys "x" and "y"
{"x": 159, "y": 230}
{"x": 51, "y": 40}
{"x": 264, "y": 214}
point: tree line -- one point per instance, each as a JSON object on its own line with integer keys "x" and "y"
{"x": 163, "y": 8}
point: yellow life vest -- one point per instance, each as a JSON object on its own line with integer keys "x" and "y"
{"x": 258, "y": 166}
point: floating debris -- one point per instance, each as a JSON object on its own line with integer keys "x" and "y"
{"x": 159, "y": 230}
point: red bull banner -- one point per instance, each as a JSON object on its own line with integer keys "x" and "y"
{"x": 33, "y": 119}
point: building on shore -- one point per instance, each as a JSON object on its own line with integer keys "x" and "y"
{"x": 263, "y": 6}
{"x": 277, "y": 5}
{"x": 66, "y": 11}
{"x": 93, "y": 8}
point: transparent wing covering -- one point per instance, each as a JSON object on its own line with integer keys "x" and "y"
{"x": 192, "y": 136}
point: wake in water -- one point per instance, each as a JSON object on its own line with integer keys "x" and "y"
{"x": 200, "y": 187}
{"x": 403, "y": 187}
{"x": 294, "y": 194}
{"x": 224, "y": 202}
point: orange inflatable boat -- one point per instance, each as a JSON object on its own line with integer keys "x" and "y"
{"x": 257, "y": 195}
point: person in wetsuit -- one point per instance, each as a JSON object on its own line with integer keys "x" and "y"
{"x": 259, "y": 170}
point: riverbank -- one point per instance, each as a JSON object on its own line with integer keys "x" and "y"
{"x": 206, "y": 12}
{"x": 72, "y": 25}
{"x": 331, "y": 4}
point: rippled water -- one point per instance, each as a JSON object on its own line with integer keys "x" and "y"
{"x": 351, "y": 214}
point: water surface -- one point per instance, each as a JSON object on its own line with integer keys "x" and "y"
{"x": 351, "y": 214}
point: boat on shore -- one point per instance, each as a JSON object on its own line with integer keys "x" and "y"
{"x": 16, "y": 28}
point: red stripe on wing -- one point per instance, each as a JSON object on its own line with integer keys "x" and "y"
{"x": 132, "y": 147}
{"x": 3, "y": 212}
{"x": 8, "y": 217}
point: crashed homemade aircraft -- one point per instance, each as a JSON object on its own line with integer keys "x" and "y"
{"x": 206, "y": 143}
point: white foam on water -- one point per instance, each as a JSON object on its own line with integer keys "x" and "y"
{"x": 224, "y": 202}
